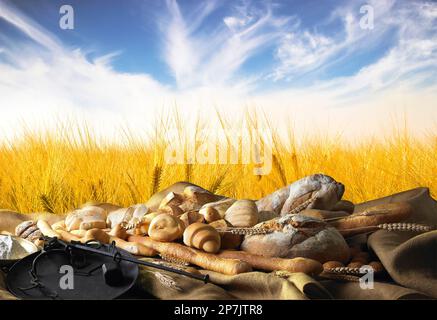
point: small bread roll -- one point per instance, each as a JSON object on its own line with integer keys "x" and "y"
{"x": 171, "y": 198}
{"x": 210, "y": 214}
{"x": 191, "y": 217}
{"x": 171, "y": 209}
{"x": 228, "y": 240}
{"x": 202, "y": 236}
{"x": 19, "y": 229}
{"x": 243, "y": 213}
{"x": 143, "y": 227}
{"x": 97, "y": 235}
{"x": 220, "y": 206}
{"x": 377, "y": 266}
{"x": 166, "y": 227}
{"x": 332, "y": 264}
{"x": 86, "y": 218}
{"x": 355, "y": 265}
{"x": 60, "y": 225}
{"x": 199, "y": 196}
{"x": 119, "y": 232}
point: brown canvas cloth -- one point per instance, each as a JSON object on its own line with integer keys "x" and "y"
{"x": 410, "y": 260}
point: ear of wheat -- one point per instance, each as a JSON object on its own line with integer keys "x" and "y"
{"x": 303, "y": 205}
{"x": 245, "y": 231}
{"x": 345, "y": 270}
{"x": 167, "y": 281}
{"x": 341, "y": 277}
{"x": 404, "y": 226}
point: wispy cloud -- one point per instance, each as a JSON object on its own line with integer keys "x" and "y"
{"x": 208, "y": 64}
{"x": 198, "y": 59}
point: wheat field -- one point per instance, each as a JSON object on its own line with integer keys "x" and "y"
{"x": 60, "y": 170}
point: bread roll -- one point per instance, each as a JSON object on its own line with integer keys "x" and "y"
{"x": 86, "y": 218}
{"x": 202, "y": 236}
{"x": 294, "y": 236}
{"x": 166, "y": 227}
{"x": 210, "y": 214}
{"x": 228, "y": 240}
{"x": 191, "y": 217}
{"x": 243, "y": 213}
{"x": 127, "y": 215}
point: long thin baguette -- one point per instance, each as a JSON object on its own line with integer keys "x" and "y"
{"x": 202, "y": 259}
{"x": 385, "y": 213}
{"x": 135, "y": 248}
{"x": 308, "y": 266}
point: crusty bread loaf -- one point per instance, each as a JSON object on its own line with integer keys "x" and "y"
{"x": 298, "y": 236}
{"x": 319, "y": 191}
{"x": 373, "y": 216}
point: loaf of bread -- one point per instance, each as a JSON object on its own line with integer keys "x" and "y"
{"x": 126, "y": 215}
{"x": 86, "y": 218}
{"x": 28, "y": 230}
{"x": 297, "y": 235}
{"x": 373, "y": 216}
{"x": 317, "y": 191}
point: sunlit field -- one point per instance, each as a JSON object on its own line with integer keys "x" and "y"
{"x": 60, "y": 170}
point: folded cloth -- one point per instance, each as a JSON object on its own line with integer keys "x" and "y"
{"x": 409, "y": 258}
{"x": 251, "y": 285}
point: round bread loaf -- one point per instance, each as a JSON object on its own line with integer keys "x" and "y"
{"x": 296, "y": 235}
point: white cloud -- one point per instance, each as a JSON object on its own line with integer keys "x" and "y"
{"x": 42, "y": 87}
{"x": 196, "y": 59}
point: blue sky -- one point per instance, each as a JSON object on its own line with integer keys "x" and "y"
{"x": 128, "y": 58}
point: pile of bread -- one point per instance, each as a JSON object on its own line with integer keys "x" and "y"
{"x": 287, "y": 230}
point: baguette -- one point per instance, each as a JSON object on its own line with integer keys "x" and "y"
{"x": 202, "y": 259}
{"x": 373, "y": 216}
{"x": 134, "y": 248}
{"x": 305, "y": 265}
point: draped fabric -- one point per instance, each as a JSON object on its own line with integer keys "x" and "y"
{"x": 409, "y": 258}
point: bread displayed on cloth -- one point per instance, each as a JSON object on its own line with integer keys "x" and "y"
{"x": 127, "y": 215}
{"x": 28, "y": 230}
{"x": 317, "y": 191}
{"x": 297, "y": 235}
{"x": 86, "y": 218}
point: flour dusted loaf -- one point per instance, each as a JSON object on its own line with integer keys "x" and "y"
{"x": 317, "y": 191}
{"x": 297, "y": 235}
